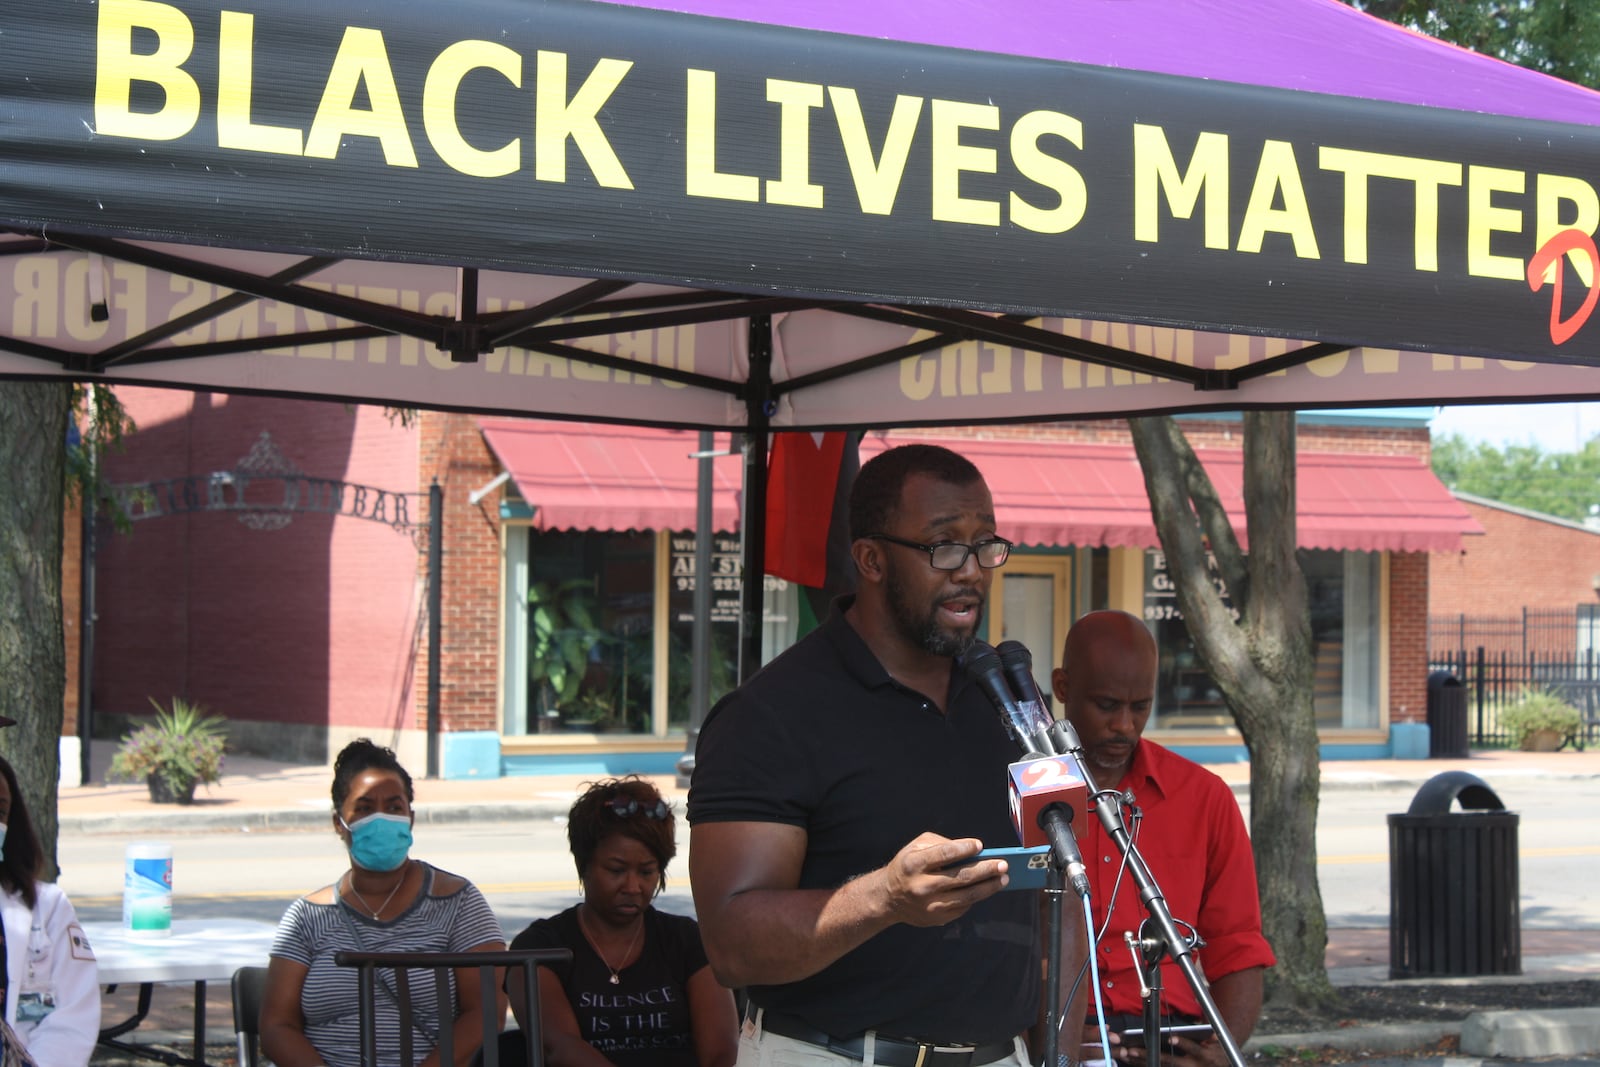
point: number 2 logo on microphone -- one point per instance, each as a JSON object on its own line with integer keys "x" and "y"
{"x": 1047, "y": 774}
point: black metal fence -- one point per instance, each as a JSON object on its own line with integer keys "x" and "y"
{"x": 1498, "y": 657}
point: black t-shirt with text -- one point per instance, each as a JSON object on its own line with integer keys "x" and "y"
{"x": 644, "y": 1021}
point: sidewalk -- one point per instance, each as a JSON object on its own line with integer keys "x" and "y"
{"x": 261, "y": 794}
{"x": 257, "y": 793}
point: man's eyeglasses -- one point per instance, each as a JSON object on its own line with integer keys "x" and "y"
{"x": 626, "y": 807}
{"x": 952, "y": 555}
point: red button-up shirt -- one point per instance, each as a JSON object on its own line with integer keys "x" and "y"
{"x": 1194, "y": 842}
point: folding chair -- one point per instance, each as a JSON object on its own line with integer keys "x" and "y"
{"x": 441, "y": 964}
{"x": 248, "y": 984}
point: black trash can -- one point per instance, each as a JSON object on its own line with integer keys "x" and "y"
{"x": 1447, "y": 717}
{"x": 1453, "y": 884}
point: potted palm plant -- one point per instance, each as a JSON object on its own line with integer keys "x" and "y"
{"x": 181, "y": 749}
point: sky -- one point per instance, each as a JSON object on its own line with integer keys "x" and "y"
{"x": 1553, "y": 427}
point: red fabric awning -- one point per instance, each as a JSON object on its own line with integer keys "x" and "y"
{"x": 1061, "y": 493}
{"x": 587, "y": 476}
{"x": 584, "y": 476}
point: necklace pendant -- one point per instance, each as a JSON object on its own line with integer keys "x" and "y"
{"x": 614, "y": 979}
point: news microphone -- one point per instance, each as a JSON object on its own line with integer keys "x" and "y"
{"x": 1017, "y": 662}
{"x": 1048, "y": 798}
{"x": 1046, "y": 794}
{"x": 1025, "y": 724}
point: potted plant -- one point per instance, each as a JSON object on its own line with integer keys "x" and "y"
{"x": 179, "y": 750}
{"x": 1540, "y": 721}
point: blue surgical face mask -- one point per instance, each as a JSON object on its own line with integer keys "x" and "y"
{"x": 2, "y": 840}
{"x": 379, "y": 842}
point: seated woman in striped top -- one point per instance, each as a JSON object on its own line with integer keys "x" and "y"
{"x": 385, "y": 902}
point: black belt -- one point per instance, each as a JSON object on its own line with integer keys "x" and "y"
{"x": 888, "y": 1051}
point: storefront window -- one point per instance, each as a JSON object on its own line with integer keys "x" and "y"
{"x": 723, "y": 662}
{"x": 591, "y": 663}
{"x": 1343, "y": 591}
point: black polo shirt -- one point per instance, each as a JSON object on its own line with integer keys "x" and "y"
{"x": 823, "y": 739}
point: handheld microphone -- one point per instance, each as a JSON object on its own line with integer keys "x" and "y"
{"x": 1025, "y": 724}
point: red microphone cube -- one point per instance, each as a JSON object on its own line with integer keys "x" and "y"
{"x": 1037, "y": 783}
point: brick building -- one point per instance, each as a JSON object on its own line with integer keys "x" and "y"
{"x": 1525, "y": 559}
{"x": 307, "y": 624}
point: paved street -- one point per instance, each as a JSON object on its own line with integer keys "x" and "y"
{"x": 509, "y": 838}
{"x": 524, "y": 868}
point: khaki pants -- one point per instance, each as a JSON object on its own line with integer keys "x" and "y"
{"x": 760, "y": 1049}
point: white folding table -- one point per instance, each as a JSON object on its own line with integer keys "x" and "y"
{"x": 198, "y": 951}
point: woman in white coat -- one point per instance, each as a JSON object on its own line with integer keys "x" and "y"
{"x": 52, "y": 989}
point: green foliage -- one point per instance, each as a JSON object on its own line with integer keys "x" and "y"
{"x": 184, "y": 746}
{"x": 1539, "y": 709}
{"x": 103, "y": 425}
{"x": 1556, "y": 37}
{"x": 1563, "y": 484}
{"x": 563, "y": 632}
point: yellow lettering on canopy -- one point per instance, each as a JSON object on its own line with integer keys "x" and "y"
{"x": 1380, "y": 361}
{"x": 700, "y": 146}
{"x": 129, "y": 296}
{"x": 877, "y": 180}
{"x": 1155, "y": 171}
{"x": 1484, "y": 220}
{"x": 235, "y": 77}
{"x": 75, "y": 301}
{"x": 1278, "y": 173}
{"x": 1053, "y": 173}
{"x": 556, "y": 118}
{"x": 951, "y": 158}
{"x": 118, "y": 66}
{"x": 1425, "y": 174}
{"x": 795, "y": 102}
{"x": 1550, "y": 192}
{"x": 36, "y": 293}
{"x": 362, "y": 57}
{"x": 439, "y": 92}
{"x": 918, "y": 374}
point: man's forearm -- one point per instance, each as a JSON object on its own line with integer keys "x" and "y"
{"x": 1238, "y": 996}
{"x": 777, "y": 936}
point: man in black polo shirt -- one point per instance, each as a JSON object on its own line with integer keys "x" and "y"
{"x": 834, "y": 791}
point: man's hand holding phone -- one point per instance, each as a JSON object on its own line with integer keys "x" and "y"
{"x": 1182, "y": 1045}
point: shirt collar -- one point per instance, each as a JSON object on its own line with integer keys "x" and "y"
{"x": 859, "y": 660}
{"x": 1143, "y": 770}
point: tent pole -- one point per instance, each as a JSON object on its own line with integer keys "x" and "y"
{"x": 700, "y": 642}
{"x": 435, "y": 623}
{"x": 753, "y": 530}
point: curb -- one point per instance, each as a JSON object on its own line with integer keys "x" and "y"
{"x": 300, "y": 818}
{"x": 1397, "y": 1037}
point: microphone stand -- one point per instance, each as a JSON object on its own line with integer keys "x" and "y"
{"x": 1054, "y": 890}
{"x": 1164, "y": 939}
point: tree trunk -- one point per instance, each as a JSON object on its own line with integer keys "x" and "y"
{"x": 33, "y": 436}
{"x": 1262, "y": 662}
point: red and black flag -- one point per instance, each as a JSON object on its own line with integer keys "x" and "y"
{"x": 808, "y": 527}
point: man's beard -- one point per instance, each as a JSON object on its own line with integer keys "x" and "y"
{"x": 923, "y": 628}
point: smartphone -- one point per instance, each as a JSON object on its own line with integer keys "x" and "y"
{"x": 1028, "y": 868}
{"x": 1193, "y": 1031}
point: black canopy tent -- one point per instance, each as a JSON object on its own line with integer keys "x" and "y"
{"x": 605, "y": 211}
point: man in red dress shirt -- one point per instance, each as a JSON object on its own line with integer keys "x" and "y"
{"x": 1191, "y": 836}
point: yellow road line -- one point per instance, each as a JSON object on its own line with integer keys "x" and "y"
{"x": 279, "y": 894}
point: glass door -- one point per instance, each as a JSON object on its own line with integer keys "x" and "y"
{"x": 1031, "y": 603}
